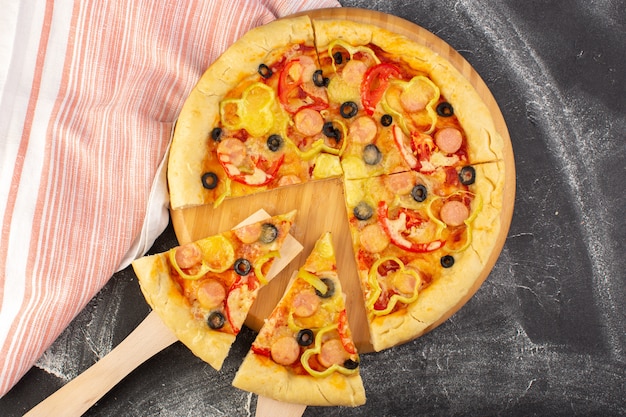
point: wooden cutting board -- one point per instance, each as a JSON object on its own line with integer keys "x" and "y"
{"x": 321, "y": 205}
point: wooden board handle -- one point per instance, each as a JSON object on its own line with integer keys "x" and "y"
{"x": 268, "y": 407}
{"x": 78, "y": 395}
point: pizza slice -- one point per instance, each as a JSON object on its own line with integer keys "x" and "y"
{"x": 304, "y": 353}
{"x": 421, "y": 242}
{"x": 203, "y": 290}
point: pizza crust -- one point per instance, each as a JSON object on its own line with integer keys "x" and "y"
{"x": 166, "y": 300}
{"x": 263, "y": 376}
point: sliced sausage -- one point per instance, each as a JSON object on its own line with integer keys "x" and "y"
{"x": 285, "y": 350}
{"x": 454, "y": 213}
{"x": 401, "y": 183}
{"x": 188, "y": 256}
{"x": 332, "y": 353}
{"x": 211, "y": 294}
{"x": 232, "y": 151}
{"x": 362, "y": 130}
{"x": 416, "y": 97}
{"x": 309, "y": 122}
{"x": 449, "y": 139}
{"x": 373, "y": 238}
{"x": 289, "y": 180}
{"x": 354, "y": 71}
{"x": 305, "y": 304}
{"x": 249, "y": 234}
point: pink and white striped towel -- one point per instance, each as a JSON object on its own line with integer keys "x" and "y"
{"x": 89, "y": 92}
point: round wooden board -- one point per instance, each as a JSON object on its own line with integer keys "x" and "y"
{"x": 321, "y": 204}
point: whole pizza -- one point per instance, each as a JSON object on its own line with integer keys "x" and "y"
{"x": 301, "y": 100}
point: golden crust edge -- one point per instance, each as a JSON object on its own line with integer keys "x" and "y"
{"x": 264, "y": 377}
{"x": 451, "y": 288}
{"x": 159, "y": 291}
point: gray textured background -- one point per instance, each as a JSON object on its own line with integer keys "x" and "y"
{"x": 545, "y": 334}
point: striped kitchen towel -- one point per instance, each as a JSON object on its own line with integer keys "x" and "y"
{"x": 89, "y": 92}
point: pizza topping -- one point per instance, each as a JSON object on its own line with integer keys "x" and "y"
{"x": 327, "y": 292}
{"x": 332, "y": 353}
{"x": 411, "y": 103}
{"x": 397, "y": 280}
{"x": 401, "y": 183}
{"x": 260, "y": 262}
{"x": 285, "y": 350}
{"x": 195, "y": 267}
{"x": 274, "y": 142}
{"x": 350, "y": 364}
{"x": 188, "y": 256}
{"x": 467, "y": 175}
{"x": 305, "y": 337}
{"x": 216, "y": 134}
{"x": 449, "y": 139}
{"x": 362, "y": 130}
{"x": 371, "y": 154}
{"x": 419, "y": 193}
{"x": 211, "y": 294}
{"x": 252, "y": 112}
{"x": 399, "y": 230}
{"x": 405, "y": 149}
{"x": 444, "y": 109}
{"x": 363, "y": 211}
{"x": 209, "y": 180}
{"x": 344, "y": 333}
{"x": 454, "y": 213}
{"x": 249, "y": 234}
{"x": 309, "y": 122}
{"x": 447, "y": 261}
{"x": 216, "y": 320}
{"x": 319, "y": 80}
{"x": 269, "y": 233}
{"x": 305, "y": 304}
{"x": 386, "y": 120}
{"x": 246, "y": 168}
{"x": 375, "y": 82}
{"x": 373, "y": 238}
{"x": 348, "y": 109}
{"x": 242, "y": 266}
{"x": 265, "y": 71}
{"x": 296, "y": 88}
{"x": 218, "y": 253}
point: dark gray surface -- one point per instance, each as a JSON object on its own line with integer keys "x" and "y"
{"x": 545, "y": 335}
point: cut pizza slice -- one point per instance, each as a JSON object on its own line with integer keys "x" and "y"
{"x": 304, "y": 353}
{"x": 421, "y": 242}
{"x": 203, "y": 290}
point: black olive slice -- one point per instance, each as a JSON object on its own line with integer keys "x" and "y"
{"x": 330, "y": 131}
{"x": 338, "y": 58}
{"x": 419, "y": 193}
{"x": 265, "y": 71}
{"x": 371, "y": 154}
{"x": 348, "y": 109}
{"x": 305, "y": 337}
{"x": 330, "y": 288}
{"x": 209, "y": 180}
{"x": 274, "y": 142}
{"x": 216, "y": 134}
{"x": 269, "y": 233}
{"x": 350, "y": 364}
{"x": 216, "y": 320}
{"x": 447, "y": 261}
{"x": 467, "y": 175}
{"x": 386, "y": 120}
{"x": 243, "y": 267}
{"x": 444, "y": 109}
{"x": 363, "y": 211}
{"x": 319, "y": 80}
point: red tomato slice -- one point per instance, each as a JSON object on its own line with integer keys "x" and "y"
{"x": 375, "y": 82}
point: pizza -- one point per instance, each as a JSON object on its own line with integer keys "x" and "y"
{"x": 303, "y": 99}
{"x": 304, "y": 353}
{"x": 203, "y": 290}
